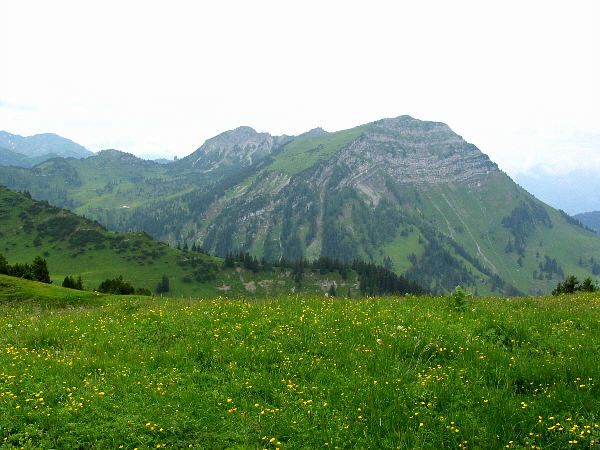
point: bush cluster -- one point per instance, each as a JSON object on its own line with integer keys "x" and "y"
{"x": 72, "y": 283}
{"x": 572, "y": 284}
{"x": 120, "y": 287}
{"x": 36, "y": 271}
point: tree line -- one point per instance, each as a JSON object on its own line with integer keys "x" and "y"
{"x": 36, "y": 271}
{"x": 373, "y": 279}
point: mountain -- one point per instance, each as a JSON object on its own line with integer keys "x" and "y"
{"x": 28, "y": 151}
{"x": 10, "y": 158}
{"x": 409, "y": 194}
{"x": 161, "y": 159}
{"x": 73, "y": 245}
{"x": 590, "y": 220}
{"x": 574, "y": 192}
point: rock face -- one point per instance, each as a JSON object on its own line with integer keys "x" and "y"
{"x": 410, "y": 151}
{"x": 237, "y": 148}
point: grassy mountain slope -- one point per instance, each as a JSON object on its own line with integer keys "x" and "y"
{"x": 26, "y": 293}
{"x": 409, "y": 194}
{"x": 303, "y": 153}
{"x": 477, "y": 221}
{"x": 120, "y": 190}
{"x": 75, "y": 246}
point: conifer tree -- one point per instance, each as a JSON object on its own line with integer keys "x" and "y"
{"x": 39, "y": 270}
{"x": 3, "y": 264}
{"x": 163, "y": 285}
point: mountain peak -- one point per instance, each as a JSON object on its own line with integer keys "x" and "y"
{"x": 244, "y": 129}
{"x": 239, "y": 147}
{"x": 408, "y": 123}
{"x": 109, "y": 156}
{"x": 112, "y": 152}
{"x": 315, "y": 132}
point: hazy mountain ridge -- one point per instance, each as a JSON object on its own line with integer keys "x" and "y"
{"x": 10, "y": 158}
{"x": 410, "y": 194}
{"x": 590, "y": 219}
{"x": 575, "y": 192}
{"x": 37, "y": 148}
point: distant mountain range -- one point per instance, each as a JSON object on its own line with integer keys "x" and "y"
{"x": 590, "y": 220}
{"x": 28, "y": 151}
{"x": 408, "y": 194}
{"x": 574, "y": 192}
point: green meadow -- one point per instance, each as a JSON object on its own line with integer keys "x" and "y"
{"x": 83, "y": 370}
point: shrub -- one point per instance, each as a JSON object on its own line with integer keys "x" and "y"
{"x": 572, "y": 284}
{"x": 20, "y": 271}
{"x": 588, "y": 285}
{"x": 72, "y": 283}
{"x": 459, "y": 298}
{"x": 37, "y": 271}
{"x": 116, "y": 286}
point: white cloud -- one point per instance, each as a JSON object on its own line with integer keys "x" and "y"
{"x": 160, "y": 77}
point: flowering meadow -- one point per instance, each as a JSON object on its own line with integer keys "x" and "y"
{"x": 84, "y": 371}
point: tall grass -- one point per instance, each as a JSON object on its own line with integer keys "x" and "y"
{"x": 300, "y": 372}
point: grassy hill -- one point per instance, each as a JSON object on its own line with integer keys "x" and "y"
{"x": 76, "y": 246}
{"x": 85, "y": 371}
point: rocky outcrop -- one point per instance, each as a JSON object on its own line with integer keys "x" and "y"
{"x": 237, "y": 148}
{"x": 413, "y": 151}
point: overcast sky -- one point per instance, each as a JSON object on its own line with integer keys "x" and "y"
{"x": 519, "y": 79}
